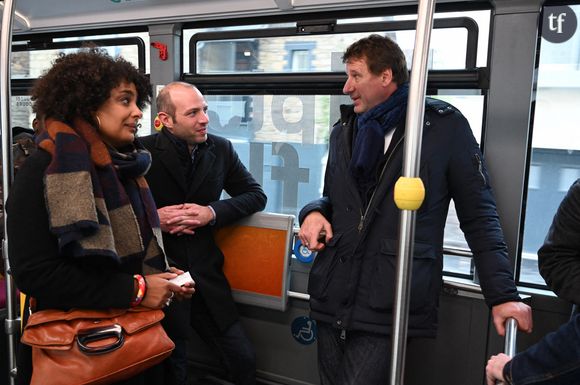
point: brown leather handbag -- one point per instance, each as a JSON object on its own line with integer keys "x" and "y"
{"x": 94, "y": 346}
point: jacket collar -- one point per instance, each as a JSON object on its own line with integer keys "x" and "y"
{"x": 168, "y": 156}
{"x": 348, "y": 122}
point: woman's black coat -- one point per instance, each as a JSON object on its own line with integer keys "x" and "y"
{"x": 57, "y": 282}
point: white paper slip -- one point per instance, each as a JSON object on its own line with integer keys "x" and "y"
{"x": 182, "y": 279}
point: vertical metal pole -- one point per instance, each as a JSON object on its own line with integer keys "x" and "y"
{"x": 511, "y": 329}
{"x": 411, "y": 165}
{"x": 11, "y": 323}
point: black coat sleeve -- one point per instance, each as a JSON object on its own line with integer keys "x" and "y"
{"x": 559, "y": 256}
{"x": 553, "y": 360}
{"x": 476, "y": 209}
{"x": 56, "y": 281}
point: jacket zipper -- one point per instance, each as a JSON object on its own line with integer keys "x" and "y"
{"x": 479, "y": 165}
{"x": 363, "y": 216}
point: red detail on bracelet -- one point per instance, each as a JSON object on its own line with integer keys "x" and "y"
{"x": 141, "y": 290}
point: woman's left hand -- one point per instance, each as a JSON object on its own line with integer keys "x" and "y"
{"x": 185, "y": 291}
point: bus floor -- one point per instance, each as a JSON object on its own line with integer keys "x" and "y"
{"x": 203, "y": 375}
{"x": 212, "y": 380}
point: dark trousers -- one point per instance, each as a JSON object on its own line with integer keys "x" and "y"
{"x": 238, "y": 354}
{"x": 353, "y": 357}
{"x": 176, "y": 364}
{"x": 232, "y": 345}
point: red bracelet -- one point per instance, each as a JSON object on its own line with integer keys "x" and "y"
{"x": 141, "y": 291}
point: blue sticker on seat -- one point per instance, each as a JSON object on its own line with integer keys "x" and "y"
{"x": 304, "y": 330}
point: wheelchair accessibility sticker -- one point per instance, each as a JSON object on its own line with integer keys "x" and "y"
{"x": 304, "y": 330}
{"x": 302, "y": 253}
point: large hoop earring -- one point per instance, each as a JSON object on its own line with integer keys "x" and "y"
{"x": 98, "y": 122}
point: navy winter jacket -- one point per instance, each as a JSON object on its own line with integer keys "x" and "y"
{"x": 352, "y": 280}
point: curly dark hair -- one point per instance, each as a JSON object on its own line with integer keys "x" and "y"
{"x": 380, "y": 53}
{"x": 79, "y": 83}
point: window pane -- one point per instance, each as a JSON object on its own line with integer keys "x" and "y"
{"x": 275, "y": 54}
{"x": 188, "y": 33}
{"x": 283, "y": 140}
{"x": 21, "y": 111}
{"x": 555, "y": 143}
{"x": 458, "y": 264}
{"x": 481, "y": 18}
{"x": 21, "y": 115}
{"x": 31, "y": 64}
{"x": 471, "y": 106}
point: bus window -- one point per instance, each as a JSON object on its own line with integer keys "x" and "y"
{"x": 30, "y": 58}
{"x": 460, "y": 263}
{"x": 188, "y": 34}
{"x": 555, "y": 155}
{"x": 316, "y": 53}
{"x": 282, "y": 139}
{"x": 482, "y": 19}
{"x": 275, "y": 93}
{"x": 445, "y": 55}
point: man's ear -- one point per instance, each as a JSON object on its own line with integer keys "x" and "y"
{"x": 387, "y": 77}
{"x": 165, "y": 119}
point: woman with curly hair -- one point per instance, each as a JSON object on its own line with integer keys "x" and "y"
{"x": 84, "y": 231}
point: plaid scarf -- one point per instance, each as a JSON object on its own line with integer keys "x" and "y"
{"x": 99, "y": 204}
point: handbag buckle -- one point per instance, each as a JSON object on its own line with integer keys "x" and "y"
{"x": 86, "y": 336}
